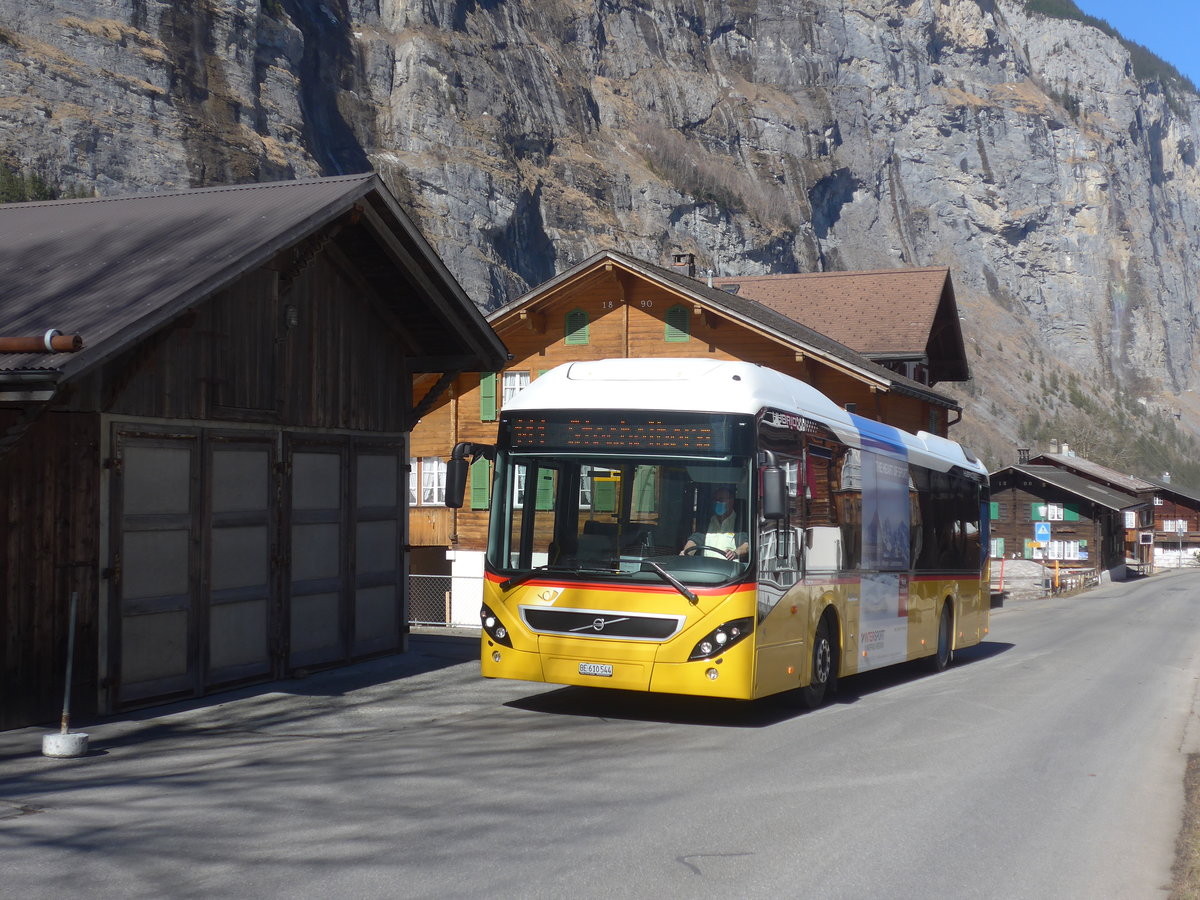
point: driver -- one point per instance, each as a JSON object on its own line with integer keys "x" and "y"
{"x": 721, "y": 538}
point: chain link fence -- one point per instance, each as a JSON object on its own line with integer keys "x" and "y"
{"x": 429, "y": 599}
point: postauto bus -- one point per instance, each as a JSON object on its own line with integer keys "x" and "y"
{"x": 719, "y": 529}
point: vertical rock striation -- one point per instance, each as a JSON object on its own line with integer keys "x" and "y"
{"x": 788, "y": 135}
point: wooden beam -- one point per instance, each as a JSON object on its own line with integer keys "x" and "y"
{"x": 535, "y": 321}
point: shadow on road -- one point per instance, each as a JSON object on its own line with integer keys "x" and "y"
{"x": 676, "y": 709}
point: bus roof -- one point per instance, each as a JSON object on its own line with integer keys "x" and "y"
{"x": 723, "y": 386}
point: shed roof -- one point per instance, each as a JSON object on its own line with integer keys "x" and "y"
{"x": 784, "y": 328}
{"x": 1079, "y": 486}
{"x": 115, "y": 269}
{"x": 883, "y": 314}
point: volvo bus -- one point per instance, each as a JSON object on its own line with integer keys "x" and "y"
{"x": 719, "y": 529}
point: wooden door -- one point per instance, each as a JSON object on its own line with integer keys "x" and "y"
{"x": 154, "y": 564}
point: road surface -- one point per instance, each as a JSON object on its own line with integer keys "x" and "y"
{"x": 1046, "y": 763}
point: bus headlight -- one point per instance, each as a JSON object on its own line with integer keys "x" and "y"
{"x": 493, "y": 626}
{"x": 722, "y": 638}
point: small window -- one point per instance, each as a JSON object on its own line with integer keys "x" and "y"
{"x": 678, "y": 324}
{"x": 576, "y": 327}
{"x": 513, "y": 383}
{"x": 427, "y": 481}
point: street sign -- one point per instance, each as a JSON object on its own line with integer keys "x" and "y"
{"x": 1041, "y": 532}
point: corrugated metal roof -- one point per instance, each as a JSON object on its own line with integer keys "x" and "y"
{"x": 114, "y": 269}
{"x": 1086, "y": 467}
{"x": 1080, "y": 486}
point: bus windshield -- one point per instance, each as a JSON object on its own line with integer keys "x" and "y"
{"x": 621, "y": 517}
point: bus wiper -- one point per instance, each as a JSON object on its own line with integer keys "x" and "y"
{"x": 522, "y": 577}
{"x": 671, "y": 580}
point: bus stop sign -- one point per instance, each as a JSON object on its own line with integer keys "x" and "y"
{"x": 1041, "y": 532}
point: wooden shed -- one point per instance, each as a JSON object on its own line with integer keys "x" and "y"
{"x": 612, "y": 305}
{"x": 219, "y": 473}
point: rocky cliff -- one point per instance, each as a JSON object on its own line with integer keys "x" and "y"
{"x": 762, "y": 135}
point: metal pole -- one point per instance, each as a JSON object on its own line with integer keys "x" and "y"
{"x": 66, "y": 712}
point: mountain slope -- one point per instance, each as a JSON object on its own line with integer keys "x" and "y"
{"x": 783, "y": 135}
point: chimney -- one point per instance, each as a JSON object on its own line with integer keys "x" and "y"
{"x": 1022, "y": 455}
{"x": 1065, "y": 449}
{"x": 685, "y": 260}
{"x": 1053, "y": 445}
{"x": 1166, "y": 477}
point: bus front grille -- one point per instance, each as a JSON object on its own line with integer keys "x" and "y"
{"x": 601, "y": 623}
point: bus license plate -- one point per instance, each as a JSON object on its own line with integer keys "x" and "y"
{"x": 602, "y": 669}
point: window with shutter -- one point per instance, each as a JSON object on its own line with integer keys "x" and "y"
{"x": 678, "y": 324}
{"x": 481, "y": 480}
{"x": 487, "y": 397}
{"x": 576, "y": 327}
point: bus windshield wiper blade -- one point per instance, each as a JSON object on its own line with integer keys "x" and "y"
{"x": 671, "y": 580}
{"x": 522, "y": 577}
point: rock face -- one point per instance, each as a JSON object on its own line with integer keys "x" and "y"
{"x": 762, "y": 135}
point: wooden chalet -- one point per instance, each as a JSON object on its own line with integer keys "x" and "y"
{"x": 1176, "y": 523}
{"x": 1138, "y": 516}
{"x": 613, "y": 305}
{"x": 218, "y": 474}
{"x": 903, "y": 319}
{"x": 1082, "y": 522}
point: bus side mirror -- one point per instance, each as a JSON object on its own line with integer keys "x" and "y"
{"x": 774, "y": 493}
{"x": 456, "y": 482}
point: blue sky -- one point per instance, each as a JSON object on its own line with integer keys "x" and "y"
{"x": 1170, "y": 28}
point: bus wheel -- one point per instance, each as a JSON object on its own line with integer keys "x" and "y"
{"x": 945, "y": 650}
{"x": 822, "y": 667}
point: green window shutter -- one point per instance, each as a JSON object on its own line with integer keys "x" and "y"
{"x": 604, "y": 496}
{"x": 576, "y": 327}
{"x": 545, "y": 489}
{"x": 1028, "y": 549}
{"x": 1038, "y": 512}
{"x": 994, "y": 510}
{"x": 487, "y": 397}
{"x": 644, "y": 490}
{"x": 481, "y": 481}
{"x": 999, "y": 547}
{"x": 678, "y": 324}
{"x": 1070, "y": 512}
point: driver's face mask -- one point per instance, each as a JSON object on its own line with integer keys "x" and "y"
{"x": 720, "y": 507}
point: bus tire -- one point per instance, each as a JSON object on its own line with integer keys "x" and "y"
{"x": 944, "y": 655}
{"x": 823, "y": 669}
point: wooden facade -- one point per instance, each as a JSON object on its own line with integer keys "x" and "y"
{"x": 1086, "y": 522}
{"x": 1176, "y": 524}
{"x": 225, "y": 488}
{"x": 613, "y": 306}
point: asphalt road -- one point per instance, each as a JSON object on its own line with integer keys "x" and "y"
{"x": 1046, "y": 763}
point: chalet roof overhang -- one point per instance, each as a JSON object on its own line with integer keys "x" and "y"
{"x": 1117, "y": 501}
{"x": 118, "y": 269}
{"x": 755, "y": 316}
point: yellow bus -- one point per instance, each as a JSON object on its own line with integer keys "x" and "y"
{"x": 719, "y": 529}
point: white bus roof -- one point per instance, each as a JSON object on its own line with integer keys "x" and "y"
{"x": 719, "y": 386}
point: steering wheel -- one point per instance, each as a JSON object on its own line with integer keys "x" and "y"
{"x": 695, "y": 550}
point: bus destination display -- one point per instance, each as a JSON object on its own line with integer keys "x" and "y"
{"x": 608, "y": 432}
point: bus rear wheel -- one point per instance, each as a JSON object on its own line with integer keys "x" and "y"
{"x": 945, "y": 640}
{"x": 823, "y": 673}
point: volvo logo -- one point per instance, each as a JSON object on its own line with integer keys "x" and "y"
{"x": 600, "y": 623}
